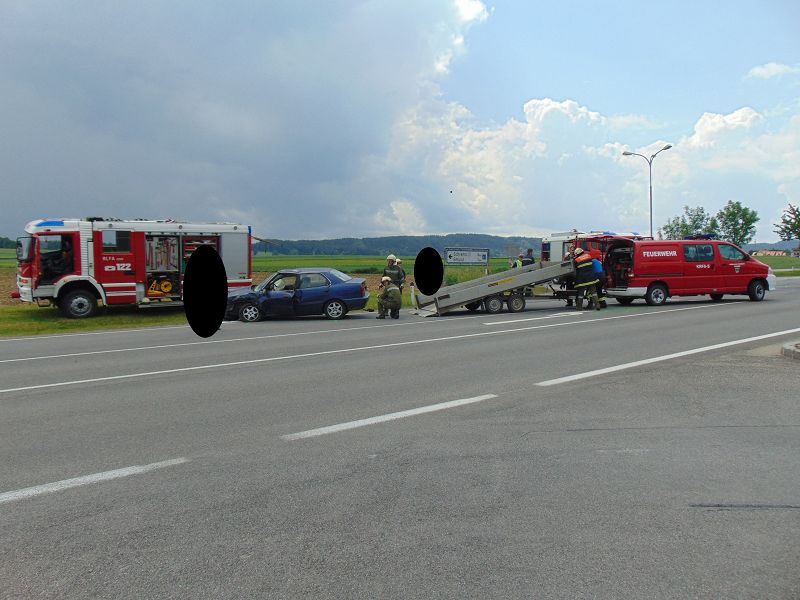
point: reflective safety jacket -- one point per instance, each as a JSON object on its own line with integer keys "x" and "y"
{"x": 584, "y": 271}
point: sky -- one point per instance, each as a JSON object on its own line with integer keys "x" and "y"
{"x": 326, "y": 119}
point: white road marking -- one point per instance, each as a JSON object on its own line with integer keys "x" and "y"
{"x": 383, "y": 418}
{"x": 569, "y": 314}
{"x": 49, "y": 488}
{"x": 204, "y": 342}
{"x": 649, "y": 361}
{"x": 347, "y": 350}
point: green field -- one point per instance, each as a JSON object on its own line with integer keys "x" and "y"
{"x": 8, "y": 258}
{"x": 346, "y": 264}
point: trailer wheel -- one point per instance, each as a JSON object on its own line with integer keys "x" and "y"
{"x": 756, "y": 290}
{"x": 250, "y": 313}
{"x": 493, "y": 305}
{"x": 625, "y": 301}
{"x": 473, "y": 306}
{"x": 516, "y": 303}
{"x": 78, "y": 304}
{"x": 656, "y": 294}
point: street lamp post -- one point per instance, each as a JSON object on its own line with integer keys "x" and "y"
{"x": 650, "y": 165}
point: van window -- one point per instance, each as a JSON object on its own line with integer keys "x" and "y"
{"x": 730, "y": 253}
{"x": 698, "y": 252}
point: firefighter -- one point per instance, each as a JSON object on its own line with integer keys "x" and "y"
{"x": 518, "y": 263}
{"x": 568, "y": 282}
{"x": 529, "y": 258}
{"x": 585, "y": 280}
{"x": 600, "y": 273}
{"x": 389, "y": 300}
{"x": 402, "y": 282}
{"x": 394, "y": 272}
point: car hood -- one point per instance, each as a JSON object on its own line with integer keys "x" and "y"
{"x": 240, "y": 293}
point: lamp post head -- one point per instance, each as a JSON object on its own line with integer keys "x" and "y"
{"x": 626, "y": 153}
{"x": 667, "y": 147}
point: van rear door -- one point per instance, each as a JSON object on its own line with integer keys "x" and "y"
{"x": 702, "y": 274}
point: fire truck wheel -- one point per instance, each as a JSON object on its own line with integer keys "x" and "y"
{"x": 756, "y": 290}
{"x": 716, "y": 297}
{"x": 78, "y": 304}
{"x": 625, "y": 301}
{"x": 472, "y": 306}
{"x": 250, "y": 313}
{"x": 335, "y": 309}
{"x": 656, "y": 294}
{"x": 493, "y": 305}
{"x": 516, "y": 303}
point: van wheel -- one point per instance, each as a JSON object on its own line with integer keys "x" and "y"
{"x": 756, "y": 290}
{"x": 625, "y": 301}
{"x": 656, "y": 294}
{"x": 79, "y": 304}
{"x": 516, "y": 303}
{"x": 493, "y": 305}
{"x": 473, "y": 306}
{"x": 716, "y": 297}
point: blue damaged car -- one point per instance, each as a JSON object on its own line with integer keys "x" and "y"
{"x": 296, "y": 292}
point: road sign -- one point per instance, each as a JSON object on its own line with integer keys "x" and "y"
{"x": 466, "y": 256}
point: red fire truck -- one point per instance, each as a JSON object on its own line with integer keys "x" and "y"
{"x": 82, "y": 264}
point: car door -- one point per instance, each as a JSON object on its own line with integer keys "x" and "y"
{"x": 312, "y": 293}
{"x": 278, "y": 299}
{"x": 733, "y": 265}
{"x": 701, "y": 269}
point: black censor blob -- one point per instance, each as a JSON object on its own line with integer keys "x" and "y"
{"x": 428, "y": 271}
{"x": 205, "y": 291}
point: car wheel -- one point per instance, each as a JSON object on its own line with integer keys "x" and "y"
{"x": 493, "y": 305}
{"x": 756, "y": 290}
{"x": 335, "y": 309}
{"x": 79, "y": 304}
{"x": 473, "y": 306}
{"x": 250, "y": 313}
{"x": 716, "y": 297}
{"x": 625, "y": 301}
{"x": 656, "y": 294}
{"x": 516, "y": 303}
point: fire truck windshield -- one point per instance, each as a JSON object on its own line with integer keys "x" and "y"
{"x": 25, "y": 249}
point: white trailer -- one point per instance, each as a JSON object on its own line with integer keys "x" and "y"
{"x": 496, "y": 290}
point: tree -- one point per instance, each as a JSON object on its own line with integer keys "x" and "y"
{"x": 737, "y": 223}
{"x": 789, "y": 227}
{"x": 692, "y": 222}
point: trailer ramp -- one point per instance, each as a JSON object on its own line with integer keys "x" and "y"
{"x": 453, "y": 297}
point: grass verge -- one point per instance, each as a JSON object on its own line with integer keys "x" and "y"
{"x": 29, "y": 319}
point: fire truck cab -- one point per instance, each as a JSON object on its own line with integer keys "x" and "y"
{"x": 82, "y": 264}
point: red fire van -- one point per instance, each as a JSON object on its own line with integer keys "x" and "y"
{"x": 657, "y": 269}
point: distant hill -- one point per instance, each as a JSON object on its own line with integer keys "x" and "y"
{"x": 790, "y": 245}
{"x": 402, "y": 245}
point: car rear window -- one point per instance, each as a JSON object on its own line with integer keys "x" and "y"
{"x": 339, "y": 275}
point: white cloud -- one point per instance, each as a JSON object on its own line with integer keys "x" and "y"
{"x": 401, "y": 218}
{"x": 771, "y": 70}
{"x": 471, "y": 11}
{"x": 711, "y": 126}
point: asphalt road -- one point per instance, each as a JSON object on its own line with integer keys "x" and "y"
{"x": 636, "y": 452}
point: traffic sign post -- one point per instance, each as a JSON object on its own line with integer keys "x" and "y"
{"x": 468, "y": 257}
